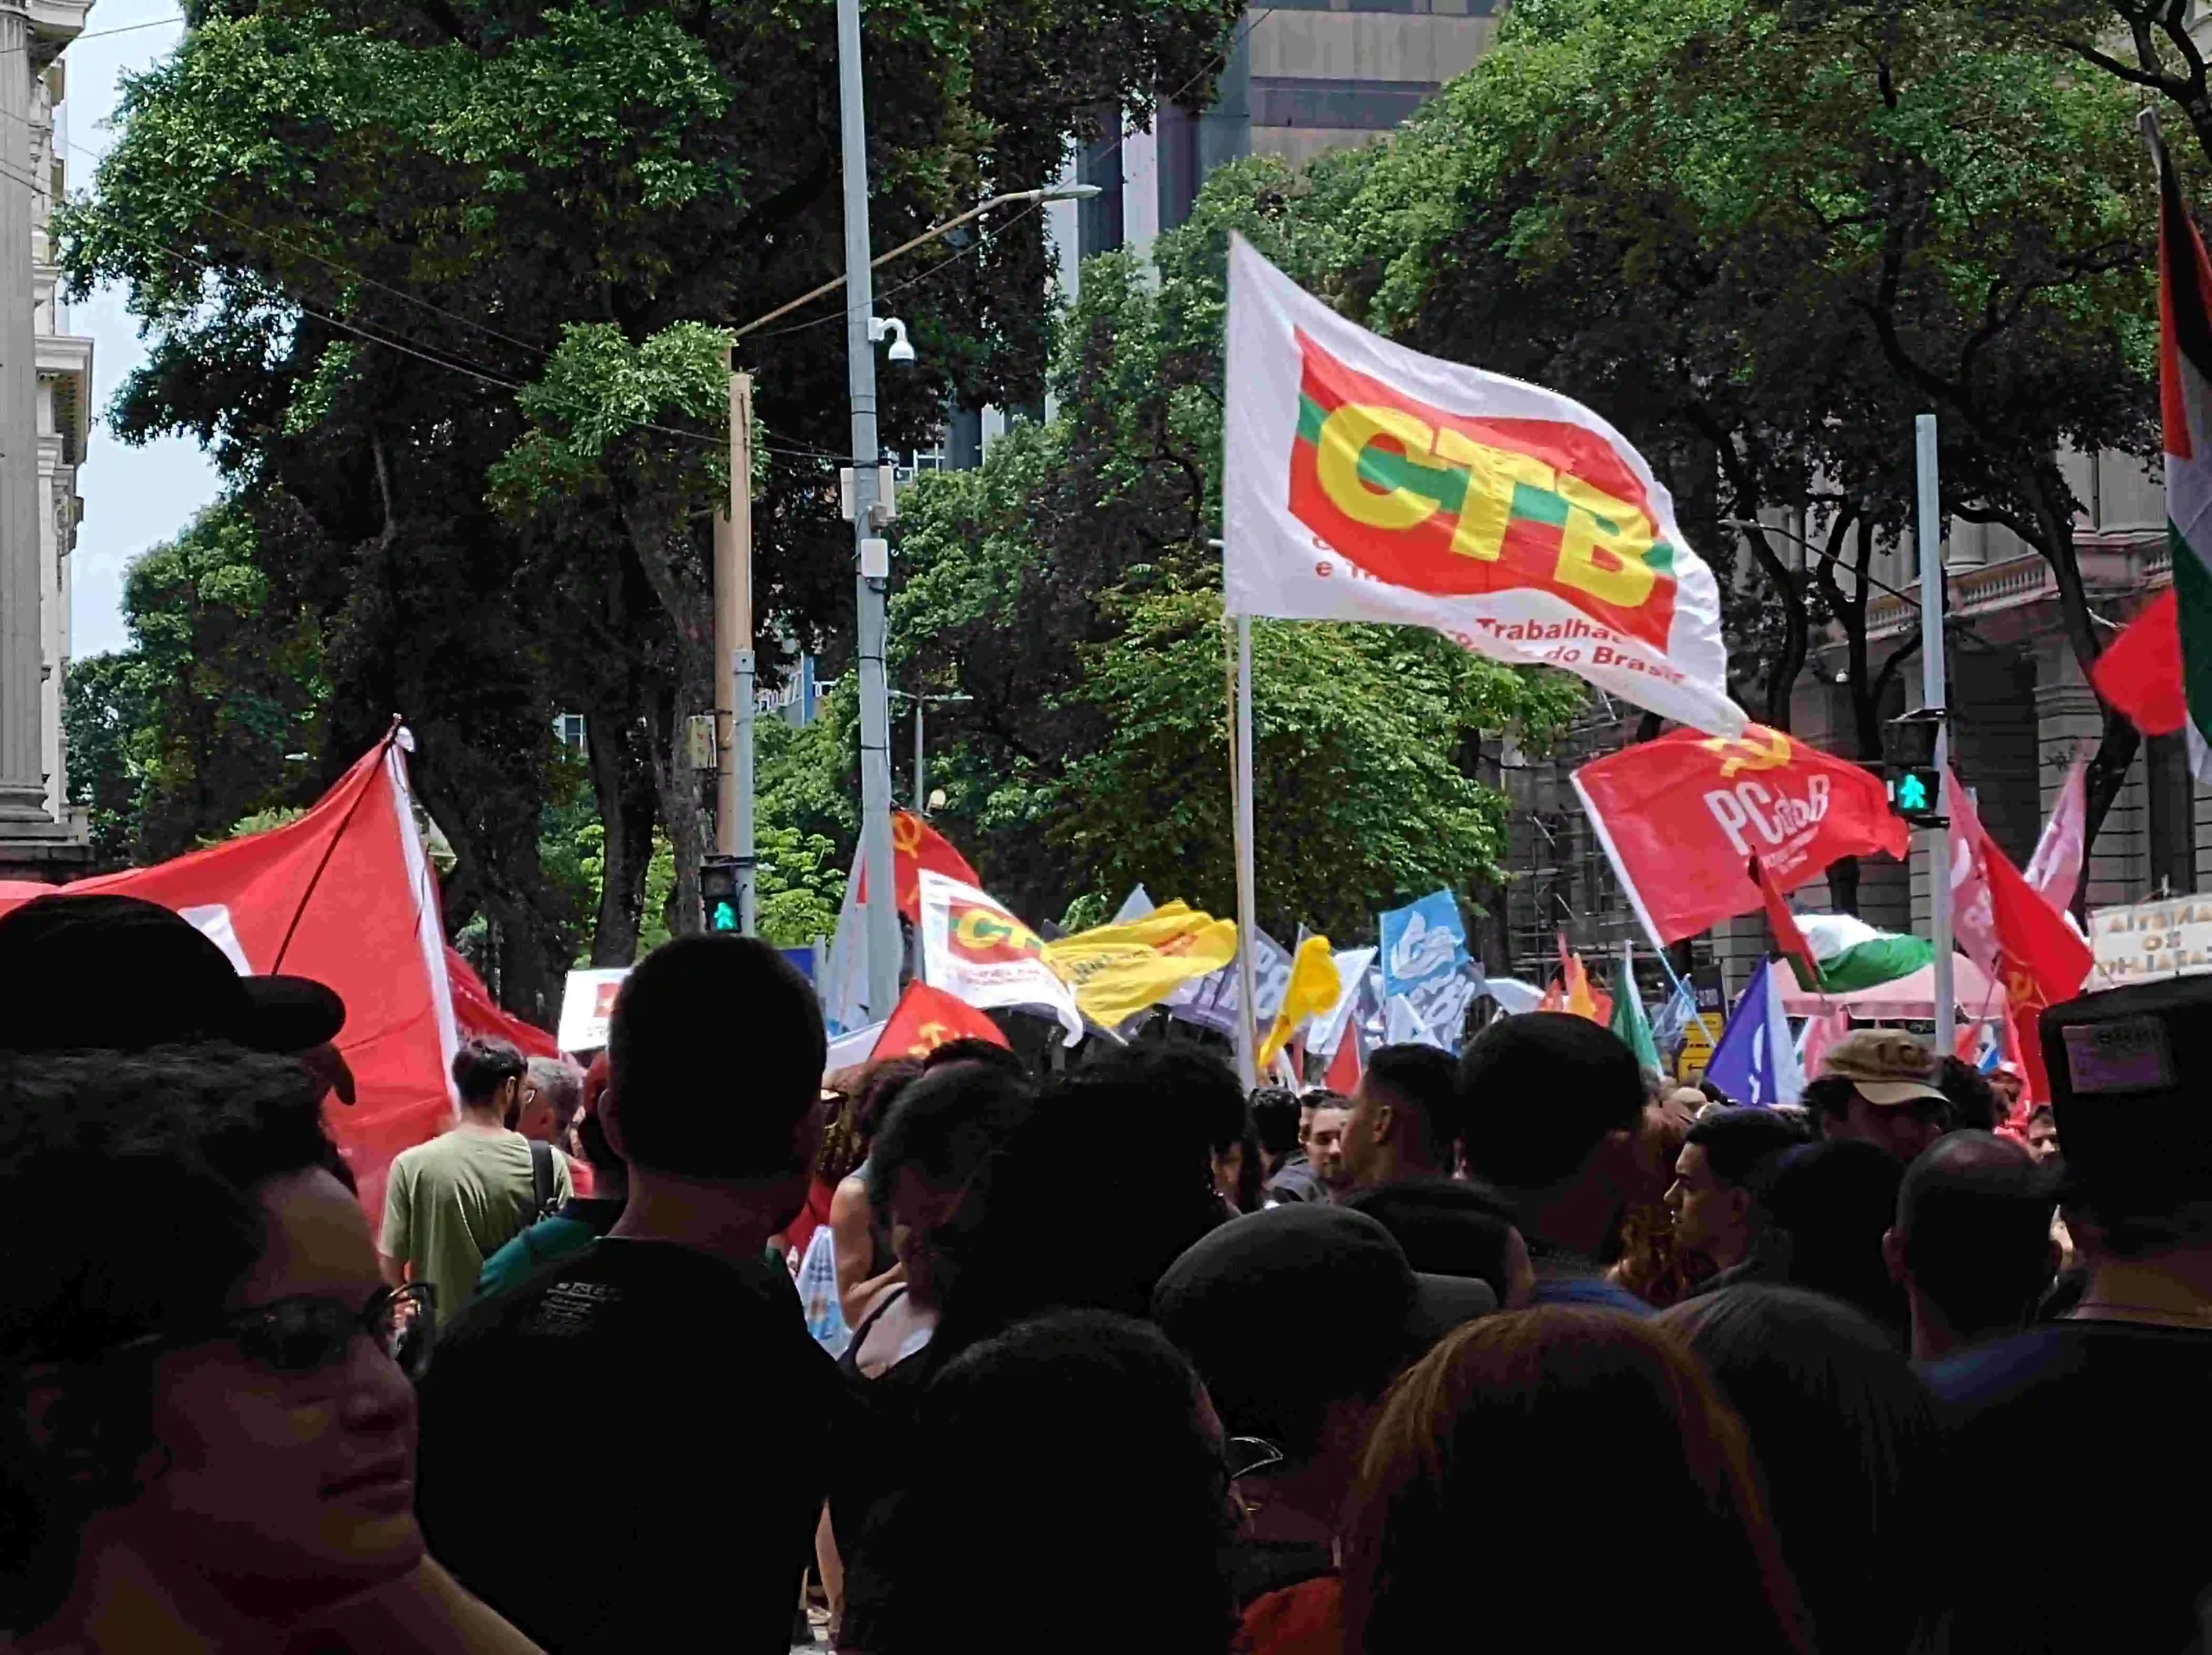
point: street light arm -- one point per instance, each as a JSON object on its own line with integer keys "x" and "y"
{"x": 933, "y": 234}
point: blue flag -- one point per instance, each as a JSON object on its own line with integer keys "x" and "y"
{"x": 1756, "y": 1061}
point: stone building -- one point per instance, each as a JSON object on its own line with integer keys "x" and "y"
{"x": 46, "y": 392}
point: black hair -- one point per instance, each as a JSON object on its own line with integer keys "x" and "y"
{"x": 972, "y": 1048}
{"x": 985, "y": 1516}
{"x": 1426, "y": 1081}
{"x": 943, "y": 1127}
{"x": 715, "y": 1052}
{"x": 1974, "y": 1213}
{"x": 1196, "y": 1093}
{"x": 1974, "y": 1100}
{"x": 1539, "y": 1092}
{"x": 1829, "y": 1097}
{"x": 591, "y": 1139}
{"x": 1831, "y": 1203}
{"x": 1017, "y": 1248}
{"x": 1736, "y": 1140}
{"x": 1713, "y": 1094}
{"x": 129, "y": 1203}
{"x": 1845, "y": 1434}
{"x": 482, "y": 1066}
{"x": 1275, "y": 1119}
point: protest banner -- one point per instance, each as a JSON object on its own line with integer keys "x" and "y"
{"x": 587, "y": 1002}
{"x": 1366, "y": 481}
{"x": 2144, "y": 942}
{"x": 1681, "y": 817}
{"x": 1121, "y": 969}
{"x": 927, "y": 1018}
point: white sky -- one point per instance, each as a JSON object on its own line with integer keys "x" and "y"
{"x": 134, "y": 498}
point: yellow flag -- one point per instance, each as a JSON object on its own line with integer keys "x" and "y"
{"x": 1313, "y": 989}
{"x": 1117, "y": 971}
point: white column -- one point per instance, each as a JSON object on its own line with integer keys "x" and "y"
{"x": 22, "y": 646}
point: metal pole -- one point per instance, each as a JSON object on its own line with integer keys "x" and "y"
{"x": 741, "y": 654}
{"x": 875, "y": 702}
{"x": 1247, "y": 923}
{"x": 921, "y": 765}
{"x": 1931, "y": 696}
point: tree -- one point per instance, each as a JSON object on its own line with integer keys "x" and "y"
{"x": 354, "y": 236}
{"x": 1069, "y": 587}
{"x": 213, "y": 712}
{"x": 1761, "y": 238}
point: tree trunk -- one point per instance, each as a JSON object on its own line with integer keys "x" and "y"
{"x": 2108, "y": 774}
{"x": 676, "y": 786}
{"x": 622, "y": 779}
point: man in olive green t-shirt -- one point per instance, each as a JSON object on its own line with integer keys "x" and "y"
{"x": 451, "y": 1203}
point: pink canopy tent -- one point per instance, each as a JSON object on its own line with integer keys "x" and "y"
{"x": 1971, "y": 992}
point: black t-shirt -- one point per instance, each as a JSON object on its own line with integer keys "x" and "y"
{"x": 2080, "y": 1456}
{"x": 629, "y": 1450}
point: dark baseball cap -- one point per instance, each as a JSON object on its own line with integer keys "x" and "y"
{"x": 115, "y": 973}
{"x": 1283, "y": 1310}
{"x": 2130, "y": 1070}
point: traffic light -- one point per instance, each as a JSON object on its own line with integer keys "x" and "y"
{"x": 1916, "y": 781}
{"x": 717, "y": 893}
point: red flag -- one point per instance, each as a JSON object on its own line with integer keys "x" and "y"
{"x": 476, "y": 1014}
{"x": 1783, "y": 924}
{"x": 927, "y": 1018}
{"x": 2041, "y": 959}
{"x": 1680, "y": 818}
{"x": 2140, "y": 672}
{"x": 343, "y": 894}
{"x": 914, "y": 845}
{"x": 1344, "y": 1068}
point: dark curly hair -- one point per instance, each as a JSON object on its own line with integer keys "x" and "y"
{"x": 128, "y": 1203}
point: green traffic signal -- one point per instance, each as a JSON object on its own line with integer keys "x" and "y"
{"x": 1912, "y": 793}
{"x": 724, "y": 917}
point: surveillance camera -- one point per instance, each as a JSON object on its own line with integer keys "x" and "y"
{"x": 891, "y": 328}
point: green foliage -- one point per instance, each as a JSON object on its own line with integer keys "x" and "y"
{"x": 212, "y": 715}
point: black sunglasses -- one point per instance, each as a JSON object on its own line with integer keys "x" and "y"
{"x": 310, "y": 1332}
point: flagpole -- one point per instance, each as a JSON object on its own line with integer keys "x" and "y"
{"x": 1247, "y": 924}
{"x": 1931, "y": 668}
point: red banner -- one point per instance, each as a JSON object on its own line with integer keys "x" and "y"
{"x": 2041, "y": 959}
{"x": 914, "y": 845}
{"x": 342, "y": 894}
{"x": 927, "y": 1018}
{"x": 1681, "y": 817}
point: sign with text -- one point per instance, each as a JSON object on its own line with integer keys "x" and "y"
{"x": 2146, "y": 941}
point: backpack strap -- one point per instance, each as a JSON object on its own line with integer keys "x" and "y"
{"x": 541, "y": 1179}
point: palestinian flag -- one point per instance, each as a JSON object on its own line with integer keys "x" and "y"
{"x": 2159, "y": 671}
{"x": 1852, "y": 955}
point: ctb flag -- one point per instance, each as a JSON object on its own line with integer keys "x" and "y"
{"x": 1366, "y": 481}
{"x": 975, "y": 950}
{"x": 1681, "y": 817}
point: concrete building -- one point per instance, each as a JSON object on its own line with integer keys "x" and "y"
{"x": 46, "y": 392}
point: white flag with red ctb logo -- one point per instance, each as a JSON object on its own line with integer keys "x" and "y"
{"x": 1366, "y": 481}
{"x": 977, "y": 951}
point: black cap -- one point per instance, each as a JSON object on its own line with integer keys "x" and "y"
{"x": 118, "y": 974}
{"x": 2130, "y": 1070}
{"x": 1301, "y": 1305}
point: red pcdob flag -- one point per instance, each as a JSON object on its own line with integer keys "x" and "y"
{"x": 1681, "y": 817}
{"x": 927, "y": 1018}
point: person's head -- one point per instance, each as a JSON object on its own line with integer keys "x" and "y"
{"x": 2042, "y": 1134}
{"x": 1275, "y": 1113}
{"x": 974, "y": 1048}
{"x": 185, "y": 1370}
{"x": 1325, "y": 1146}
{"x": 1974, "y": 1101}
{"x": 1450, "y": 1226}
{"x": 854, "y": 1102}
{"x": 1014, "y": 1247}
{"x": 1487, "y": 1452}
{"x": 1711, "y": 1196}
{"x": 934, "y": 1144}
{"x": 735, "y": 1109}
{"x": 1403, "y": 1122}
{"x": 1229, "y": 1299}
{"x": 1191, "y": 1096}
{"x": 1549, "y": 1105}
{"x": 1121, "y": 1546}
{"x": 1877, "y": 1086}
{"x": 1843, "y": 1431}
{"x": 488, "y": 1078}
{"x": 1824, "y": 1209}
{"x": 1971, "y": 1243}
{"x": 1686, "y": 1100}
{"x": 552, "y": 1091}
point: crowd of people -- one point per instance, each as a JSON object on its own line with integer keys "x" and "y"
{"x": 1518, "y": 1347}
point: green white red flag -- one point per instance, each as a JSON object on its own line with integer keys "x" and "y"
{"x": 2159, "y": 671}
